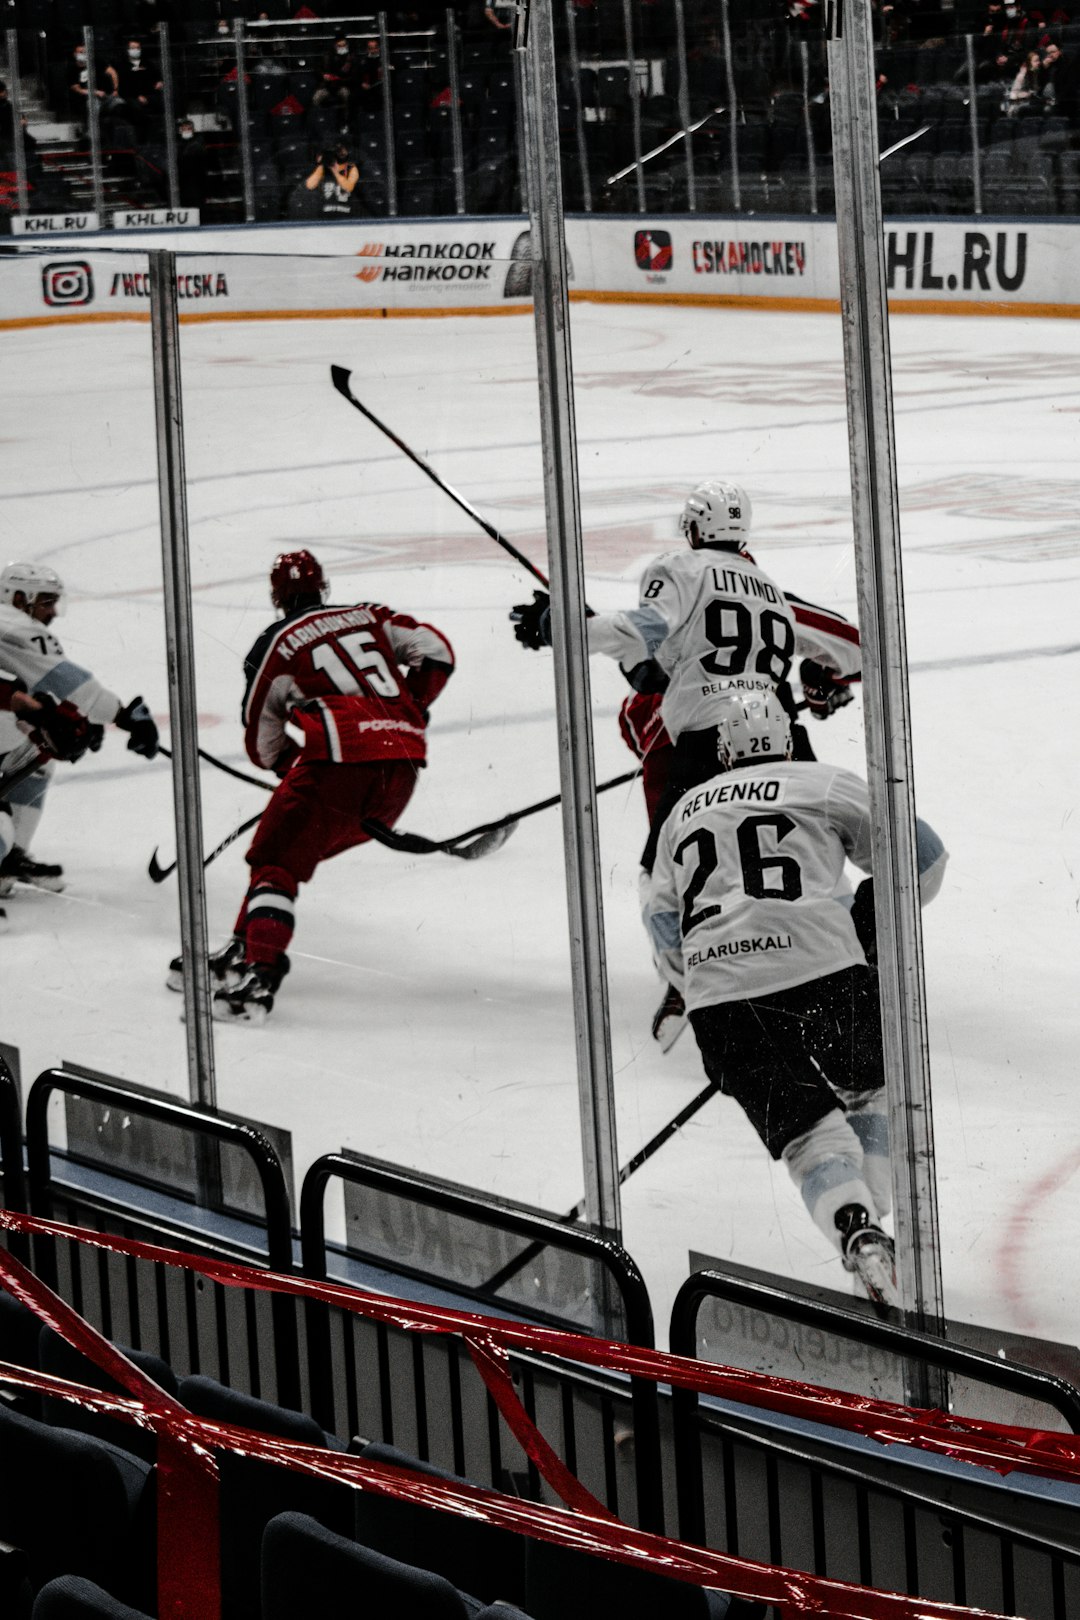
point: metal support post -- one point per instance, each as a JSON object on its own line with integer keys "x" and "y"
{"x": 18, "y": 135}
{"x": 684, "y": 106}
{"x": 455, "y": 112}
{"x": 551, "y": 309}
{"x": 579, "y": 113}
{"x": 168, "y": 98}
{"x": 808, "y": 128}
{"x": 733, "y": 106}
{"x": 635, "y": 102}
{"x": 243, "y": 118}
{"x": 176, "y": 568}
{"x": 973, "y": 119}
{"x": 93, "y": 125}
{"x": 388, "y": 118}
{"x": 875, "y": 511}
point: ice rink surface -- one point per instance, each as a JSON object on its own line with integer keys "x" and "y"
{"x": 427, "y": 1017}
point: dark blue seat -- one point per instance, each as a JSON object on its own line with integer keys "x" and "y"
{"x": 474, "y": 1557}
{"x": 61, "y": 1359}
{"x": 307, "y": 1569}
{"x": 253, "y": 1492}
{"x": 72, "y": 1598}
{"x": 77, "y": 1506}
{"x": 566, "y": 1585}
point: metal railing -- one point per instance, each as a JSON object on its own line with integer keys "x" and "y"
{"x": 538, "y": 1233}
{"x": 209, "y": 1133}
{"x": 902, "y": 1342}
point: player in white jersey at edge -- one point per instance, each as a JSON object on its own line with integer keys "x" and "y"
{"x": 31, "y": 597}
{"x": 749, "y": 919}
{"x": 710, "y": 624}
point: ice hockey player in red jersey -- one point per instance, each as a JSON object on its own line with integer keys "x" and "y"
{"x": 357, "y": 682}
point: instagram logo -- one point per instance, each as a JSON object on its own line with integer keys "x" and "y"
{"x": 69, "y": 283}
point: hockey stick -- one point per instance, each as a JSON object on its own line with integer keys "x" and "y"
{"x": 340, "y": 378}
{"x": 477, "y": 841}
{"x": 219, "y": 764}
{"x": 642, "y": 1156}
{"x": 647, "y": 157}
{"x": 159, "y": 873}
{"x": 13, "y": 778}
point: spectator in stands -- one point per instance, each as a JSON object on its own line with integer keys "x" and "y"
{"x": 335, "y": 177}
{"x": 191, "y": 166}
{"x": 369, "y": 75}
{"x": 1062, "y": 81}
{"x": 140, "y": 85}
{"x": 339, "y": 68}
{"x": 1003, "y": 40}
{"x": 1026, "y": 90}
{"x": 79, "y": 88}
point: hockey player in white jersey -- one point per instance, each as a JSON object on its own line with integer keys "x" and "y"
{"x": 31, "y": 597}
{"x": 747, "y": 912}
{"x": 709, "y": 624}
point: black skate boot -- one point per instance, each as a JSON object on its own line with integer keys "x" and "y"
{"x": 870, "y": 1255}
{"x": 669, "y": 1020}
{"x": 18, "y": 867}
{"x": 251, "y": 999}
{"x": 226, "y": 967}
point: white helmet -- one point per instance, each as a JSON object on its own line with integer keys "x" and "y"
{"x": 720, "y": 513}
{"x": 33, "y": 580}
{"x": 752, "y": 726}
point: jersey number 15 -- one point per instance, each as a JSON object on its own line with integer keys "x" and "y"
{"x": 353, "y": 663}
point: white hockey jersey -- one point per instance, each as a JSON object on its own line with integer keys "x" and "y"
{"x": 747, "y": 895}
{"x": 715, "y": 622}
{"x": 31, "y": 651}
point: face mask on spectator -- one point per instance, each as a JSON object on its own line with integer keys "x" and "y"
{"x": 186, "y": 134}
{"x": 342, "y": 50}
{"x": 134, "y": 53}
{"x": 80, "y": 57}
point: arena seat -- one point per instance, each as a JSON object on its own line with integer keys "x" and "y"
{"x": 307, "y": 1569}
{"x": 77, "y": 1506}
{"x": 565, "y": 1585}
{"x": 253, "y": 1492}
{"x": 70, "y": 1597}
{"x": 61, "y": 1359}
{"x": 474, "y": 1557}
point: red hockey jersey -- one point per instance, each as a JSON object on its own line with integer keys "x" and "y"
{"x": 358, "y": 681}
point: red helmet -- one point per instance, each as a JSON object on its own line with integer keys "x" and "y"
{"x": 296, "y": 573}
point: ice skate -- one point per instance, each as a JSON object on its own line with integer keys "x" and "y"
{"x": 251, "y": 999}
{"x": 18, "y": 867}
{"x": 669, "y": 1020}
{"x": 226, "y": 967}
{"x": 869, "y": 1254}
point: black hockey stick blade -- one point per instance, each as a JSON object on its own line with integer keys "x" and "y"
{"x": 157, "y": 872}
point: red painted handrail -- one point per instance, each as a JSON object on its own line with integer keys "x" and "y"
{"x": 188, "y": 1572}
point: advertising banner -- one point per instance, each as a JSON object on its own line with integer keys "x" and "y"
{"x": 483, "y": 266}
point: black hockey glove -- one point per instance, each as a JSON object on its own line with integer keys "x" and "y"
{"x": 136, "y": 719}
{"x": 862, "y": 915}
{"x": 64, "y": 731}
{"x": 532, "y": 621}
{"x": 824, "y": 691}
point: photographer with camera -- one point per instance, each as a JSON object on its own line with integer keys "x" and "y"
{"x": 335, "y": 177}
